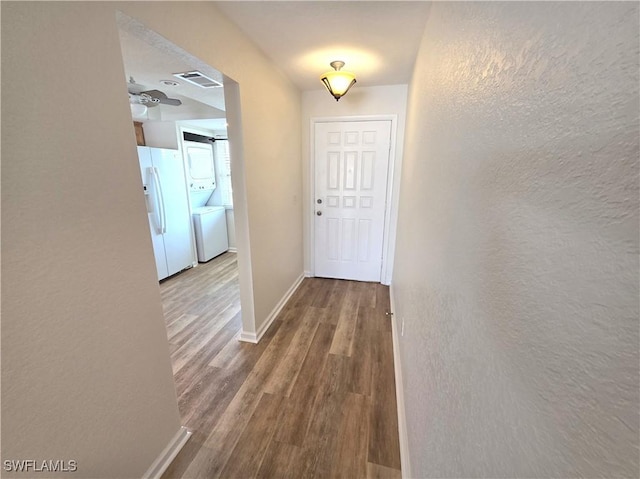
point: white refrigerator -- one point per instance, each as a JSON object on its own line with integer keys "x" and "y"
{"x": 167, "y": 200}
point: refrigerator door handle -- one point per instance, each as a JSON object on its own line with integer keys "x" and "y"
{"x": 152, "y": 201}
{"x": 163, "y": 216}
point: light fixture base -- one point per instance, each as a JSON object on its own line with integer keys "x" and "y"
{"x": 336, "y": 65}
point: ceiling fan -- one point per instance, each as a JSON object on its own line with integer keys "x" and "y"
{"x": 149, "y": 98}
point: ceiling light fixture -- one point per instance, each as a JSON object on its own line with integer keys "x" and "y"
{"x": 138, "y": 110}
{"x": 338, "y": 82}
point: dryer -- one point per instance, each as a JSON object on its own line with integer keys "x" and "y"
{"x": 210, "y": 225}
{"x": 201, "y": 174}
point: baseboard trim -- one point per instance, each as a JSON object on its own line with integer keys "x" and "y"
{"x": 232, "y": 250}
{"x": 169, "y": 453}
{"x": 254, "y": 338}
{"x": 307, "y": 274}
{"x": 248, "y": 337}
{"x": 402, "y": 418}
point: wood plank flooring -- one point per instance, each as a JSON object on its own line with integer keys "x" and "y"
{"x": 314, "y": 399}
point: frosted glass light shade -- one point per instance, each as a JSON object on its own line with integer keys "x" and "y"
{"x": 138, "y": 110}
{"x": 338, "y": 82}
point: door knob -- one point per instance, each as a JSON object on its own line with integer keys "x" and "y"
{"x": 319, "y": 201}
{"x": 319, "y": 213}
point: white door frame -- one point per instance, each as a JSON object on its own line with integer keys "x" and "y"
{"x": 389, "y": 229}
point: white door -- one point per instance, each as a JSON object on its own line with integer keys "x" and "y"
{"x": 351, "y": 169}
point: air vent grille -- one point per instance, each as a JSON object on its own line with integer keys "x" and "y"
{"x": 199, "y": 79}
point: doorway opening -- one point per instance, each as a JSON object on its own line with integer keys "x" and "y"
{"x": 209, "y": 299}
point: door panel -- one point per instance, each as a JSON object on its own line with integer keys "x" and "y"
{"x": 351, "y": 170}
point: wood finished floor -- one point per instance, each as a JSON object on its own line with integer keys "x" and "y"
{"x": 316, "y": 396}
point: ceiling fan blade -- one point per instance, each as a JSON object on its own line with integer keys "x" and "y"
{"x": 170, "y": 101}
{"x": 162, "y": 97}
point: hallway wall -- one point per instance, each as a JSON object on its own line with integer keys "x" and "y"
{"x": 517, "y": 252}
{"x": 86, "y": 374}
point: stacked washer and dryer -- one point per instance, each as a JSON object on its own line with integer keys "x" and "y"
{"x": 209, "y": 222}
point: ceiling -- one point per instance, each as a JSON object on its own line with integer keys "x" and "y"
{"x": 378, "y": 41}
{"x": 149, "y": 59}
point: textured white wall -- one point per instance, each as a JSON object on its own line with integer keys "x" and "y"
{"x": 517, "y": 252}
{"x": 85, "y": 361}
{"x": 86, "y": 374}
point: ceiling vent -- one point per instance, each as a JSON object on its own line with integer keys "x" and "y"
{"x": 199, "y": 79}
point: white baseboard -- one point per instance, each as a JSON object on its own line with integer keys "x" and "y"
{"x": 169, "y": 453}
{"x": 254, "y": 338}
{"x": 402, "y": 418}
{"x": 232, "y": 250}
{"x": 248, "y": 337}
{"x": 307, "y": 274}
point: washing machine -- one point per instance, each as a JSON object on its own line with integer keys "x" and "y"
{"x": 210, "y": 226}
